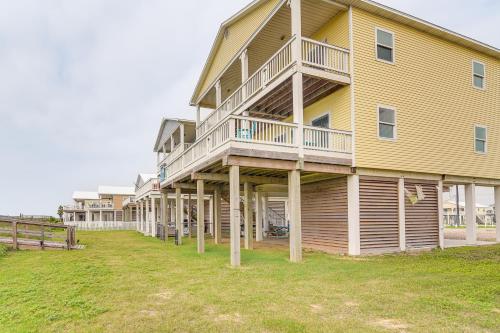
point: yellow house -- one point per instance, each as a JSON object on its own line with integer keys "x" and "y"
{"x": 357, "y": 113}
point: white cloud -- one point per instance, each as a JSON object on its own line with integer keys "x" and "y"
{"x": 84, "y": 84}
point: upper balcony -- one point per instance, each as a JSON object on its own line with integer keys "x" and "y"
{"x": 152, "y": 186}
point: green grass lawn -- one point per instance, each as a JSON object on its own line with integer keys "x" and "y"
{"x": 124, "y": 282}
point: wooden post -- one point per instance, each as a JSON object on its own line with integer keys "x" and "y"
{"x": 234, "y": 203}
{"x": 42, "y": 242}
{"x": 295, "y": 216}
{"x": 190, "y": 218}
{"x": 248, "y": 216}
{"x": 440, "y": 214}
{"x": 200, "y": 201}
{"x": 258, "y": 217}
{"x": 497, "y": 211}
{"x": 217, "y": 216}
{"x": 178, "y": 215}
{"x": 14, "y": 235}
{"x": 265, "y": 201}
{"x": 353, "y": 223}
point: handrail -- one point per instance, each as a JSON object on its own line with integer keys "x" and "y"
{"x": 325, "y": 44}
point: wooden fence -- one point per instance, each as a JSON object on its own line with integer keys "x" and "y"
{"x": 28, "y": 233}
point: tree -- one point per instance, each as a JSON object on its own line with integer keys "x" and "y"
{"x": 60, "y": 212}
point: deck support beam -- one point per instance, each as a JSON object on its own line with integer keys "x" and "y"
{"x": 470, "y": 214}
{"x": 259, "y": 234}
{"x": 440, "y": 215}
{"x": 353, "y": 224}
{"x": 153, "y": 217}
{"x": 189, "y": 215}
{"x": 402, "y": 214}
{"x": 148, "y": 218}
{"x": 217, "y": 216}
{"x": 200, "y": 219}
{"x": 248, "y": 193}
{"x": 178, "y": 215}
{"x": 497, "y": 211}
{"x": 295, "y": 216}
{"x": 265, "y": 219}
{"x": 234, "y": 203}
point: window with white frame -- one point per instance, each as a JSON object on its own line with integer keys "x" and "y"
{"x": 386, "y": 123}
{"x": 385, "y": 45}
{"x": 478, "y": 74}
{"x": 480, "y": 139}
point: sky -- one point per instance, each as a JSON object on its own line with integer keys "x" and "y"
{"x": 84, "y": 84}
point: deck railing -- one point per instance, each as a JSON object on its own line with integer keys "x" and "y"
{"x": 280, "y": 61}
{"x": 325, "y": 56}
{"x": 152, "y": 184}
{"x": 261, "y": 131}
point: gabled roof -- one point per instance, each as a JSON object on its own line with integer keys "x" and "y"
{"x": 82, "y": 195}
{"x": 116, "y": 190}
{"x": 143, "y": 178}
{"x": 167, "y": 126}
{"x": 369, "y": 6}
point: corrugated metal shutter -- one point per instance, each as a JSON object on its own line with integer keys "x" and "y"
{"x": 422, "y": 219}
{"x": 379, "y": 223}
{"x": 324, "y": 215}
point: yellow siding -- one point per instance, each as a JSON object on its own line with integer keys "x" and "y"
{"x": 239, "y": 33}
{"x": 430, "y": 86}
{"x": 335, "y": 32}
{"x": 338, "y": 105}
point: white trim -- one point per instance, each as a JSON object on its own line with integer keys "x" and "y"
{"x": 393, "y": 48}
{"x": 476, "y": 126}
{"x": 380, "y": 106}
{"x": 353, "y": 217}
{"x": 474, "y": 74}
{"x": 402, "y": 214}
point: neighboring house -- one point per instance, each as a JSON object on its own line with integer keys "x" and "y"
{"x": 98, "y": 210}
{"x": 147, "y": 198}
{"x": 357, "y": 113}
{"x": 484, "y": 213}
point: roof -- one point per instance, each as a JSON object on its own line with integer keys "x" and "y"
{"x": 169, "y": 125}
{"x": 117, "y": 190}
{"x": 143, "y": 178}
{"x": 369, "y": 6}
{"x": 82, "y": 195}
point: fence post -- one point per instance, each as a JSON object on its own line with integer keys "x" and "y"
{"x": 42, "y": 242}
{"x": 14, "y": 235}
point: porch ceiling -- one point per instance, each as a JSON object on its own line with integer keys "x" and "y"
{"x": 278, "y": 103}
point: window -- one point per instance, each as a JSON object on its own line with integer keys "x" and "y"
{"x": 386, "y": 123}
{"x": 478, "y": 74}
{"x": 385, "y": 45}
{"x": 480, "y": 135}
{"x": 323, "y": 121}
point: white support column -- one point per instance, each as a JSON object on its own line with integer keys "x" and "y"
{"x": 353, "y": 215}
{"x": 100, "y": 216}
{"x": 148, "y": 218}
{"x": 440, "y": 213}
{"x": 248, "y": 216}
{"x": 200, "y": 218}
{"x": 218, "y": 94}
{"x": 497, "y": 211}
{"x": 402, "y": 214}
{"x": 211, "y": 215}
{"x": 198, "y": 115}
{"x": 178, "y": 215}
{"x": 139, "y": 216}
{"x": 153, "y": 217}
{"x": 183, "y": 217}
{"x": 217, "y": 216}
{"x": 470, "y": 214}
{"x": 172, "y": 143}
{"x": 189, "y": 216}
{"x": 295, "y": 216}
{"x": 259, "y": 234}
{"x": 298, "y": 111}
{"x": 87, "y": 216}
{"x": 244, "y": 66}
{"x": 296, "y": 24}
{"x": 265, "y": 202}
{"x": 234, "y": 213}
{"x": 114, "y": 216}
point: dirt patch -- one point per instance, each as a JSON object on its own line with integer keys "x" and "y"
{"x": 234, "y": 317}
{"x": 164, "y": 295}
{"x": 316, "y": 308}
{"x": 391, "y": 324}
{"x": 149, "y": 313}
{"x": 351, "y": 304}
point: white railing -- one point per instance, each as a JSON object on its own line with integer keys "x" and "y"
{"x": 327, "y": 139}
{"x": 99, "y": 204}
{"x": 73, "y": 207}
{"x": 102, "y": 225}
{"x": 280, "y": 61}
{"x": 261, "y": 131}
{"x": 151, "y": 185}
{"x": 325, "y": 56}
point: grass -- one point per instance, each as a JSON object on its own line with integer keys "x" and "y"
{"x": 3, "y": 250}
{"x": 124, "y": 282}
